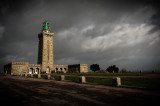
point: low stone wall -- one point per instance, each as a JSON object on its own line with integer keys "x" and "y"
{"x": 62, "y": 77}
{"x": 116, "y": 82}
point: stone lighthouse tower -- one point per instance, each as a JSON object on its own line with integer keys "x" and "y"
{"x": 45, "y": 48}
{"x": 45, "y": 63}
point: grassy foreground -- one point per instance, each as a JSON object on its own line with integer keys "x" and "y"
{"x": 135, "y": 82}
{"x": 100, "y": 74}
{"x": 146, "y": 83}
{"x": 143, "y": 83}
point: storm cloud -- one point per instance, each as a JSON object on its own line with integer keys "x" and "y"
{"x": 124, "y": 33}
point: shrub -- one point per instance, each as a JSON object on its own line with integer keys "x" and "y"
{"x": 35, "y": 76}
{"x": 94, "y": 67}
{"x": 57, "y": 78}
{"x": 44, "y": 76}
{"x": 112, "y": 69}
{"x": 73, "y": 79}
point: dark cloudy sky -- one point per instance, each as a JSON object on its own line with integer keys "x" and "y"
{"x": 121, "y": 32}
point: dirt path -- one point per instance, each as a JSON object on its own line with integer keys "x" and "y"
{"x": 32, "y": 92}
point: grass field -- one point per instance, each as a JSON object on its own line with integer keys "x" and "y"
{"x": 146, "y": 83}
{"x": 137, "y": 80}
{"x": 140, "y": 82}
{"x": 100, "y": 74}
{"x": 101, "y": 81}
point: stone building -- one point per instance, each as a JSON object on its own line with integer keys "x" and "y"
{"x": 79, "y": 68}
{"x": 45, "y": 62}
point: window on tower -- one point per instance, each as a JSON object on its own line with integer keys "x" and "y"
{"x": 20, "y": 68}
{"x": 83, "y": 68}
{"x": 48, "y": 52}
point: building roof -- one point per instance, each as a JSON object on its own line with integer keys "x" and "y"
{"x": 45, "y": 25}
{"x": 45, "y": 22}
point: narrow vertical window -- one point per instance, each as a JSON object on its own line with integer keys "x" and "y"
{"x": 20, "y": 68}
{"x": 83, "y": 68}
{"x": 47, "y": 51}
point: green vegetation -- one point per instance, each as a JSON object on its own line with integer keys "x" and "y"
{"x": 100, "y": 74}
{"x": 112, "y": 69}
{"x": 106, "y": 79}
{"x": 56, "y": 77}
{"x": 148, "y": 83}
{"x": 143, "y": 83}
{"x": 44, "y": 76}
{"x": 73, "y": 79}
{"x": 35, "y": 76}
{"x": 102, "y": 81}
{"x": 94, "y": 67}
{"x": 28, "y": 75}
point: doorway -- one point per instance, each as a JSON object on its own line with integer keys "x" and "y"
{"x": 31, "y": 71}
{"x": 47, "y": 69}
